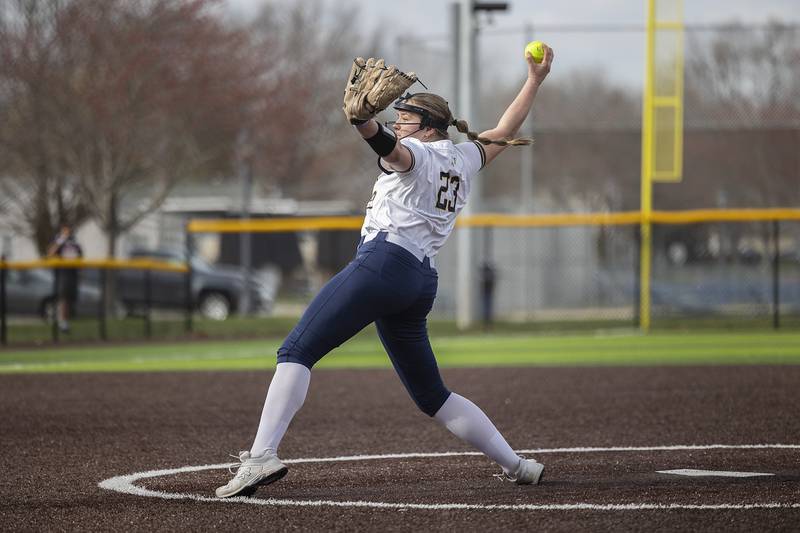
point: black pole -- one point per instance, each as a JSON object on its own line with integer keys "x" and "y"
{"x": 776, "y": 276}
{"x": 637, "y": 274}
{"x": 488, "y": 280}
{"x": 148, "y": 296}
{"x": 187, "y": 289}
{"x": 101, "y": 306}
{"x": 54, "y": 328}
{"x": 3, "y": 330}
{"x": 487, "y": 244}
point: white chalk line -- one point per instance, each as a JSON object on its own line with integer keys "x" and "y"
{"x": 126, "y": 484}
{"x": 693, "y": 472}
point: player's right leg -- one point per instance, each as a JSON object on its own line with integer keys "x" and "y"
{"x": 260, "y": 465}
{"x": 348, "y": 302}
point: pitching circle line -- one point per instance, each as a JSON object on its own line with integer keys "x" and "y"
{"x": 126, "y": 484}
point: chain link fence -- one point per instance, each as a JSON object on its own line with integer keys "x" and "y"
{"x": 713, "y": 274}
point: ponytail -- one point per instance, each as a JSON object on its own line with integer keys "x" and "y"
{"x": 463, "y": 127}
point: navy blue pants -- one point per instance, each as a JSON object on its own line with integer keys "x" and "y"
{"x": 387, "y": 285}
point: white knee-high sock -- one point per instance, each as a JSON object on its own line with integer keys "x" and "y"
{"x": 286, "y": 395}
{"x": 468, "y": 422}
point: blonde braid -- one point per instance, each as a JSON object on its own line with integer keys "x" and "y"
{"x": 463, "y": 127}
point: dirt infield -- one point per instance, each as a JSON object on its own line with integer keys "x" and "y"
{"x": 63, "y": 434}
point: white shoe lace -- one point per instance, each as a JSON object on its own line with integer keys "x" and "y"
{"x": 236, "y": 466}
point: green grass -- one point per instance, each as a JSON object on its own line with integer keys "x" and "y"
{"x": 34, "y": 333}
{"x": 472, "y": 350}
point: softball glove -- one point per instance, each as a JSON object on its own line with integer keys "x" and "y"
{"x": 372, "y": 87}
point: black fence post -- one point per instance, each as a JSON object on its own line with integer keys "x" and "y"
{"x": 776, "y": 275}
{"x": 3, "y": 325}
{"x": 187, "y": 294}
{"x": 637, "y": 274}
{"x": 148, "y": 296}
{"x": 101, "y": 307}
{"x": 54, "y": 318}
{"x": 487, "y": 279}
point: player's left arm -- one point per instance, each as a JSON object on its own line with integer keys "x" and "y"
{"x": 514, "y": 116}
{"x": 384, "y": 141}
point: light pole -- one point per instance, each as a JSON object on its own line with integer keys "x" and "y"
{"x": 466, "y": 90}
{"x": 245, "y": 154}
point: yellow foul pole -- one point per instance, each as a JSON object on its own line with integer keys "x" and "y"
{"x": 645, "y": 252}
{"x": 662, "y": 125}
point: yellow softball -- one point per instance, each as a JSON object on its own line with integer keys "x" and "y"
{"x": 536, "y": 50}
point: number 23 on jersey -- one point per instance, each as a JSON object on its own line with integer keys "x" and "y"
{"x": 444, "y": 199}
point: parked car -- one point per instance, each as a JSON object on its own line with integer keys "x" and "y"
{"x": 30, "y": 292}
{"x": 217, "y": 291}
{"x": 691, "y": 243}
{"x": 695, "y": 243}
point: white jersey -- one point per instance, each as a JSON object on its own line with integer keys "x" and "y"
{"x": 420, "y": 206}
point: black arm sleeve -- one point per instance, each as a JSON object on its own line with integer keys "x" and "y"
{"x": 383, "y": 142}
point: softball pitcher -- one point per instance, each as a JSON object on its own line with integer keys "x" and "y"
{"x": 424, "y": 183}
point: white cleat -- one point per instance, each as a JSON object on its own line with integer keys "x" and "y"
{"x": 529, "y": 472}
{"x": 253, "y": 472}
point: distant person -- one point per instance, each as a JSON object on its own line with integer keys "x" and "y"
{"x": 66, "y": 247}
{"x": 392, "y": 281}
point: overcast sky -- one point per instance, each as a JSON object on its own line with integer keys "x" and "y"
{"x": 425, "y": 23}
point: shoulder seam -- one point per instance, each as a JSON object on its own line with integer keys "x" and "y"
{"x": 387, "y": 171}
{"x": 482, "y": 151}
{"x": 413, "y": 162}
{"x": 384, "y": 170}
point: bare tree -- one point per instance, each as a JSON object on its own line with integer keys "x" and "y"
{"x": 743, "y": 118}
{"x": 152, "y": 91}
{"x": 303, "y": 146}
{"x": 38, "y": 193}
{"x": 107, "y": 104}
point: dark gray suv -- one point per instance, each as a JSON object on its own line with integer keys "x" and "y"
{"x": 217, "y": 290}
